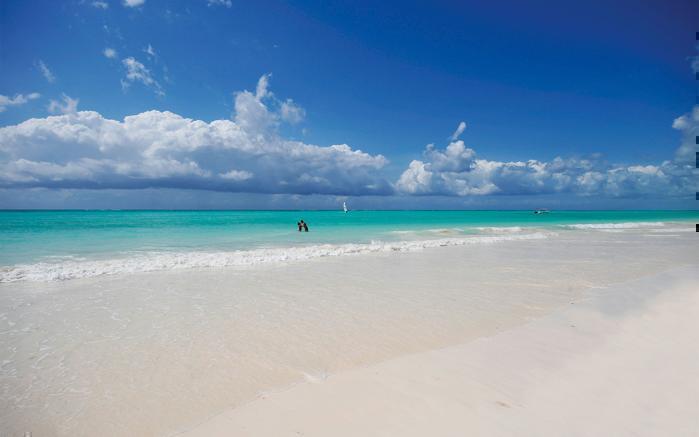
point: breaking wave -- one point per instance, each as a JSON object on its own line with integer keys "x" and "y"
{"x": 158, "y": 261}
{"x": 501, "y": 229}
{"x": 628, "y": 225}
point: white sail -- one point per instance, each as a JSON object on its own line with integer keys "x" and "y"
{"x": 344, "y": 206}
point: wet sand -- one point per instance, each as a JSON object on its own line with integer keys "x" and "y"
{"x": 620, "y": 363}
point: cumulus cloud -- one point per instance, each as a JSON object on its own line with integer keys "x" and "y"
{"x": 262, "y": 89}
{"x": 291, "y": 112}
{"x": 416, "y": 179}
{"x": 48, "y": 75}
{"x": 137, "y": 72}
{"x": 247, "y": 154}
{"x": 459, "y": 130}
{"x": 457, "y": 171}
{"x": 18, "y": 99}
{"x": 688, "y": 124}
{"x": 67, "y": 105}
{"x": 226, "y": 3}
{"x": 100, "y": 4}
{"x": 110, "y": 53}
{"x": 133, "y": 3}
{"x": 252, "y": 110}
{"x": 163, "y": 149}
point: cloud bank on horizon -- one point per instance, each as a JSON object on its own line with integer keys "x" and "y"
{"x": 162, "y": 149}
{"x": 85, "y": 150}
{"x": 456, "y": 171}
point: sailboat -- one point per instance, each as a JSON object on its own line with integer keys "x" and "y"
{"x": 344, "y": 206}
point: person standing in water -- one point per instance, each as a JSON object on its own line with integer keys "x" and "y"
{"x": 302, "y": 226}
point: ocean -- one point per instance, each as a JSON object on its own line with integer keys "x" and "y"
{"x": 58, "y": 245}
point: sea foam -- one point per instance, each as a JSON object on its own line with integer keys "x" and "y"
{"x": 626, "y": 225}
{"x": 501, "y": 229}
{"x": 157, "y": 261}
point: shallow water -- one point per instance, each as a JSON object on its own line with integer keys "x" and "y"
{"x": 50, "y": 245}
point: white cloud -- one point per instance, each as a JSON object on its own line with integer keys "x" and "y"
{"x": 251, "y": 113}
{"x": 248, "y": 154}
{"x": 226, "y": 3}
{"x": 46, "y": 72}
{"x": 415, "y": 179}
{"x": 137, "y": 72}
{"x": 68, "y": 106}
{"x": 237, "y": 175}
{"x": 133, "y": 3}
{"x": 162, "y": 149}
{"x": 252, "y": 110}
{"x": 456, "y": 171}
{"x": 110, "y": 53}
{"x": 688, "y": 124}
{"x": 291, "y": 112}
{"x": 150, "y": 51}
{"x": 459, "y": 130}
{"x": 262, "y": 90}
{"x": 18, "y": 99}
{"x": 100, "y": 4}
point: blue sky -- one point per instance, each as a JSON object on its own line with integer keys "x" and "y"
{"x": 571, "y": 104}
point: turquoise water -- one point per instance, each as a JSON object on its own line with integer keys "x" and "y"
{"x": 45, "y": 236}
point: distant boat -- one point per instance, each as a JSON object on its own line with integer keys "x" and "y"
{"x": 541, "y": 211}
{"x": 344, "y": 206}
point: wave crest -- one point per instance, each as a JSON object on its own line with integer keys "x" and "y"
{"x": 147, "y": 262}
{"x": 500, "y": 229}
{"x": 627, "y": 225}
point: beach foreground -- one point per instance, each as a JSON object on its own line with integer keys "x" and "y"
{"x": 620, "y": 363}
{"x": 589, "y": 331}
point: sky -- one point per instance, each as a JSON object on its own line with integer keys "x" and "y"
{"x": 306, "y": 104}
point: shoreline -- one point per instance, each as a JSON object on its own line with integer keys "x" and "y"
{"x": 71, "y": 268}
{"x": 150, "y": 353}
{"x": 575, "y": 352}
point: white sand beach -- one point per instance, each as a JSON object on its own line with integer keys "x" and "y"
{"x": 585, "y": 332}
{"x": 621, "y": 363}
